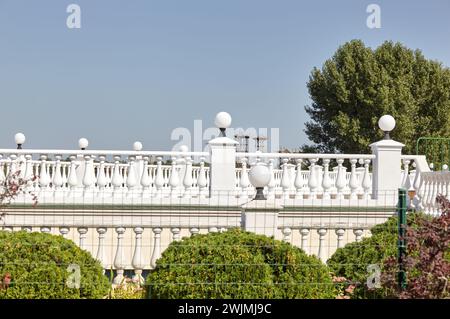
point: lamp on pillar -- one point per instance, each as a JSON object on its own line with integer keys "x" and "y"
{"x": 222, "y": 121}
{"x": 259, "y": 176}
{"x": 386, "y": 123}
{"x": 19, "y": 138}
{"x": 137, "y": 146}
{"x": 83, "y": 143}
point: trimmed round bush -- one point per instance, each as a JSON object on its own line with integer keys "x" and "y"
{"x": 237, "y": 264}
{"x": 352, "y": 260}
{"x": 39, "y": 268}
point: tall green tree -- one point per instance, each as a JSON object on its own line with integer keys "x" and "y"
{"x": 358, "y": 85}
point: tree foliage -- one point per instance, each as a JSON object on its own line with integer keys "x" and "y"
{"x": 237, "y": 264}
{"x": 36, "y": 266}
{"x": 358, "y": 85}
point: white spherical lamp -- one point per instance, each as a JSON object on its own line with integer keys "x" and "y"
{"x": 83, "y": 143}
{"x": 222, "y": 121}
{"x": 137, "y": 146}
{"x": 259, "y": 176}
{"x": 19, "y": 138}
{"x": 184, "y": 148}
{"x": 386, "y": 123}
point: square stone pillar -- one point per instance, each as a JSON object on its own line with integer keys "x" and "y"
{"x": 386, "y": 172}
{"x": 223, "y": 166}
{"x": 261, "y": 217}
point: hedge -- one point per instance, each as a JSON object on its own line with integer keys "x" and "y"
{"x": 38, "y": 264}
{"x": 237, "y": 264}
{"x": 351, "y": 261}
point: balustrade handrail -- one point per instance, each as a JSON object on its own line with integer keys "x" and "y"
{"x": 307, "y": 155}
{"x": 101, "y": 152}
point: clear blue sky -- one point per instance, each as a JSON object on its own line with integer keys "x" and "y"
{"x": 138, "y": 69}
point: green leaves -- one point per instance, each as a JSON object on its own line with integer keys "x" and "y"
{"x": 358, "y": 85}
{"x": 38, "y": 265}
{"x": 237, "y": 264}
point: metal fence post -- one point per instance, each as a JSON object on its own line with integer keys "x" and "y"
{"x": 401, "y": 238}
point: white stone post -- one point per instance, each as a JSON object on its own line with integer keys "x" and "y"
{"x": 386, "y": 168}
{"x": 223, "y": 166}
{"x": 261, "y": 217}
{"x": 387, "y": 163}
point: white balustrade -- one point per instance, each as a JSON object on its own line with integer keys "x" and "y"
{"x": 321, "y": 254}
{"x": 340, "y": 236}
{"x": 119, "y": 262}
{"x": 287, "y": 234}
{"x": 137, "y": 256}
{"x": 358, "y": 234}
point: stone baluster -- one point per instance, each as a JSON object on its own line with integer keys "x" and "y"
{"x": 322, "y": 233}
{"x": 422, "y": 191}
{"x": 73, "y": 177}
{"x": 304, "y": 232}
{"x": 406, "y": 183}
{"x": 194, "y": 231}
{"x": 137, "y": 256}
{"x": 156, "y": 246}
{"x": 358, "y": 234}
{"x": 174, "y": 180}
{"x": 101, "y": 176}
{"x": 44, "y": 178}
{"x": 285, "y": 179}
{"x": 132, "y": 180}
{"x": 117, "y": 179}
{"x": 430, "y": 193}
{"x": 83, "y": 234}
{"x": 101, "y": 243}
{"x": 89, "y": 175}
{"x": 159, "y": 178}
{"x": 340, "y": 237}
{"x": 244, "y": 181}
{"x": 187, "y": 180}
{"x": 340, "y": 179}
{"x": 146, "y": 181}
{"x": 287, "y": 234}
{"x": 366, "y": 182}
{"x": 2, "y": 171}
{"x": 272, "y": 184}
{"x": 28, "y": 168}
{"x": 119, "y": 260}
{"x": 447, "y": 185}
{"x": 64, "y": 231}
{"x": 326, "y": 181}
{"x": 313, "y": 182}
{"x": 298, "y": 182}
{"x": 201, "y": 181}
{"x": 353, "y": 179}
{"x": 57, "y": 177}
{"x": 46, "y": 229}
{"x": 27, "y": 229}
{"x": 12, "y": 167}
{"x": 176, "y": 236}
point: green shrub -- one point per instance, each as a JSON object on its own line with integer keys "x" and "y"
{"x": 237, "y": 264}
{"x": 352, "y": 260}
{"x": 38, "y": 264}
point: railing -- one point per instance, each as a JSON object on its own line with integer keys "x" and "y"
{"x": 325, "y": 175}
{"x": 126, "y": 207}
{"x": 91, "y": 174}
{"x": 432, "y": 185}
